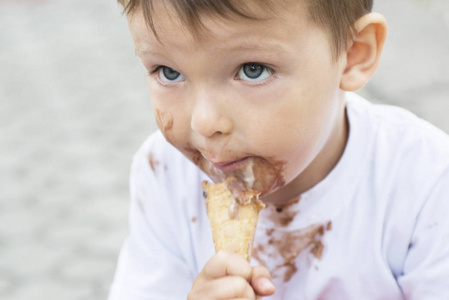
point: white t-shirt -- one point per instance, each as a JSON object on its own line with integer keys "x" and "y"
{"x": 377, "y": 227}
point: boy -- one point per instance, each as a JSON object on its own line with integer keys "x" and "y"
{"x": 356, "y": 194}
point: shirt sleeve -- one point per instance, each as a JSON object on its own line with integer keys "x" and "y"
{"x": 426, "y": 269}
{"x": 152, "y": 263}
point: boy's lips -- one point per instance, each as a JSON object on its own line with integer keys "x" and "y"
{"x": 230, "y": 165}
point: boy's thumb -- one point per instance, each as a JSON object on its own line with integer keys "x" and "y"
{"x": 265, "y": 286}
{"x": 261, "y": 282}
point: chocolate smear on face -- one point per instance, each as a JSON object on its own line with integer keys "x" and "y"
{"x": 164, "y": 121}
{"x": 193, "y": 154}
{"x": 268, "y": 176}
{"x": 265, "y": 175}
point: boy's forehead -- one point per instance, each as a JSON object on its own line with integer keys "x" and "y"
{"x": 239, "y": 32}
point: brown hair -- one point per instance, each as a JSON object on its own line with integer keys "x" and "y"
{"x": 336, "y": 16}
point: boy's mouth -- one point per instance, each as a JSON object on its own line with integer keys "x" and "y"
{"x": 258, "y": 173}
{"x": 229, "y": 166}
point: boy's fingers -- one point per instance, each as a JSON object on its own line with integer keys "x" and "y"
{"x": 232, "y": 287}
{"x": 238, "y": 266}
{"x": 225, "y": 263}
{"x": 261, "y": 281}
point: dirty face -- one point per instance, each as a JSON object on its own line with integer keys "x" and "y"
{"x": 256, "y": 99}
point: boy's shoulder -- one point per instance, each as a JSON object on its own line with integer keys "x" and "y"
{"x": 159, "y": 162}
{"x": 154, "y": 146}
{"x": 158, "y": 155}
{"x": 396, "y": 129}
{"x": 401, "y": 151}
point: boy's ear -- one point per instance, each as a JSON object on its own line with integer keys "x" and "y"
{"x": 363, "y": 54}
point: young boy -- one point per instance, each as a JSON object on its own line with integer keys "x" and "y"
{"x": 357, "y": 194}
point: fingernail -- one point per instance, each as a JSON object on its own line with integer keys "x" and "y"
{"x": 266, "y": 284}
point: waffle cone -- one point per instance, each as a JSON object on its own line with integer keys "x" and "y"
{"x": 233, "y": 213}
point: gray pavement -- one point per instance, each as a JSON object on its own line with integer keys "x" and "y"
{"x": 74, "y": 107}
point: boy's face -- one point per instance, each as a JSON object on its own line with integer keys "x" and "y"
{"x": 257, "y": 99}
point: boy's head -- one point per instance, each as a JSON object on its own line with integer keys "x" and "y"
{"x": 255, "y": 89}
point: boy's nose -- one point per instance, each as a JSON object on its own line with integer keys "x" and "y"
{"x": 208, "y": 119}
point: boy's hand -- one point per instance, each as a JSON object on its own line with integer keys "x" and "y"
{"x": 229, "y": 276}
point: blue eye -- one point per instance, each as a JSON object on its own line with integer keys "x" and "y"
{"x": 254, "y": 72}
{"x": 167, "y": 74}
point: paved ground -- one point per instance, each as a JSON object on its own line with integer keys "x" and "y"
{"x": 74, "y": 107}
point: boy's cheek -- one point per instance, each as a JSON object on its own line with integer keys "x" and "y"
{"x": 164, "y": 120}
{"x": 169, "y": 125}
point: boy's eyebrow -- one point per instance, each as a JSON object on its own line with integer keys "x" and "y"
{"x": 269, "y": 46}
{"x": 138, "y": 51}
{"x": 251, "y": 46}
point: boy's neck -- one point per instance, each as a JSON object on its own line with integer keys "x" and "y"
{"x": 321, "y": 166}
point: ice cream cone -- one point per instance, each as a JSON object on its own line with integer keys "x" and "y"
{"x": 233, "y": 213}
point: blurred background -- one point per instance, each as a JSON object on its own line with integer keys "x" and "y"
{"x": 74, "y": 107}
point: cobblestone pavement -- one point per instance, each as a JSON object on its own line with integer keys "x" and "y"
{"x": 74, "y": 107}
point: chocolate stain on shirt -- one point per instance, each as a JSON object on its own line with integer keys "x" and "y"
{"x": 285, "y": 246}
{"x": 283, "y": 214}
{"x": 329, "y": 226}
{"x": 433, "y": 225}
{"x": 256, "y": 254}
{"x": 152, "y": 161}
